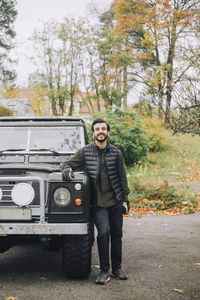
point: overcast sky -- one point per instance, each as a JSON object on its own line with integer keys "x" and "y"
{"x": 30, "y": 12}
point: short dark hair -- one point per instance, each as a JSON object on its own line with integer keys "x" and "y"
{"x": 100, "y": 121}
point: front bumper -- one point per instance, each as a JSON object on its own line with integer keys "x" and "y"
{"x": 43, "y": 228}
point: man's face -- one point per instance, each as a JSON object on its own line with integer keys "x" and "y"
{"x": 100, "y": 132}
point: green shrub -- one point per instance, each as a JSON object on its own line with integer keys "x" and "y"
{"x": 126, "y": 134}
{"x": 4, "y": 111}
{"x": 156, "y": 134}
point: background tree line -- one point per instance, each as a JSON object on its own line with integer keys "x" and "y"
{"x": 74, "y": 55}
{"x": 152, "y": 44}
{"x": 164, "y": 36}
{"x": 8, "y": 15}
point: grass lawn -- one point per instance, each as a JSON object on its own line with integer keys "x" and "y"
{"x": 162, "y": 183}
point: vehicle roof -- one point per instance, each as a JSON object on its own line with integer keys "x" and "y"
{"x": 54, "y": 118}
{"x": 44, "y": 120}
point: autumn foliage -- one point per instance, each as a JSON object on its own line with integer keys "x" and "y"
{"x": 5, "y": 111}
{"x": 155, "y": 30}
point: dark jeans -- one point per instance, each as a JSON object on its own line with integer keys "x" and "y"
{"x": 109, "y": 223}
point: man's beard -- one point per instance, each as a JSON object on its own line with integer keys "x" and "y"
{"x": 101, "y": 140}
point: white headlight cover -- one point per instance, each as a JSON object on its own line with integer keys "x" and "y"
{"x": 1, "y": 194}
{"x": 23, "y": 194}
{"x": 62, "y": 196}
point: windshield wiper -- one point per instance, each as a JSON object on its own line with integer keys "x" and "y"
{"x": 11, "y": 150}
{"x": 54, "y": 152}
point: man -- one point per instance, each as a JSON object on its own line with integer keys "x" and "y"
{"x": 106, "y": 170}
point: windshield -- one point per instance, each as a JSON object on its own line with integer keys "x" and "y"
{"x": 65, "y": 139}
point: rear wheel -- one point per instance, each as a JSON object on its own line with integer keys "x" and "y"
{"x": 76, "y": 256}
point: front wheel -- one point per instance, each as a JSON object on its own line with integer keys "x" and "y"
{"x": 76, "y": 256}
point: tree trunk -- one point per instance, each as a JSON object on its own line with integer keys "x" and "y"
{"x": 90, "y": 104}
{"x": 125, "y": 85}
{"x": 160, "y": 85}
{"x": 71, "y": 107}
{"x": 170, "y": 75}
{"x": 61, "y": 102}
{"x": 98, "y": 97}
{"x": 160, "y": 102}
{"x": 53, "y": 105}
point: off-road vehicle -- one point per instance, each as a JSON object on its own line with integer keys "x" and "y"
{"x": 35, "y": 203}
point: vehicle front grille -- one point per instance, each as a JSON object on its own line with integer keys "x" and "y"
{"x": 7, "y": 186}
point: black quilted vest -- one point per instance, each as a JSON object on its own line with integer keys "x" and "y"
{"x": 92, "y": 163}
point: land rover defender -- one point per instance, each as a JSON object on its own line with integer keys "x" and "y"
{"x": 35, "y": 203}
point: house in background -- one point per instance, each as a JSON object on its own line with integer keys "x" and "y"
{"x": 85, "y": 108}
{"x": 25, "y": 104}
{"x": 20, "y": 107}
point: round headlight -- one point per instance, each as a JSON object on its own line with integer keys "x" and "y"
{"x": 62, "y": 196}
{"x": 77, "y": 186}
{"x": 1, "y": 194}
{"x": 22, "y": 194}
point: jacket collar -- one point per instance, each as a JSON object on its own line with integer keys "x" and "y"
{"x": 106, "y": 149}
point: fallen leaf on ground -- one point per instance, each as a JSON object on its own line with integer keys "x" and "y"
{"x": 11, "y": 298}
{"x": 197, "y": 264}
{"x": 178, "y": 291}
{"x": 160, "y": 266}
{"x": 43, "y": 278}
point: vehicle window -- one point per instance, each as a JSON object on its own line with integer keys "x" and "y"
{"x": 60, "y": 139}
{"x": 65, "y": 139}
{"x": 11, "y": 138}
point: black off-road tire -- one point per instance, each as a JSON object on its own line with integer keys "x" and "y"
{"x": 76, "y": 256}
